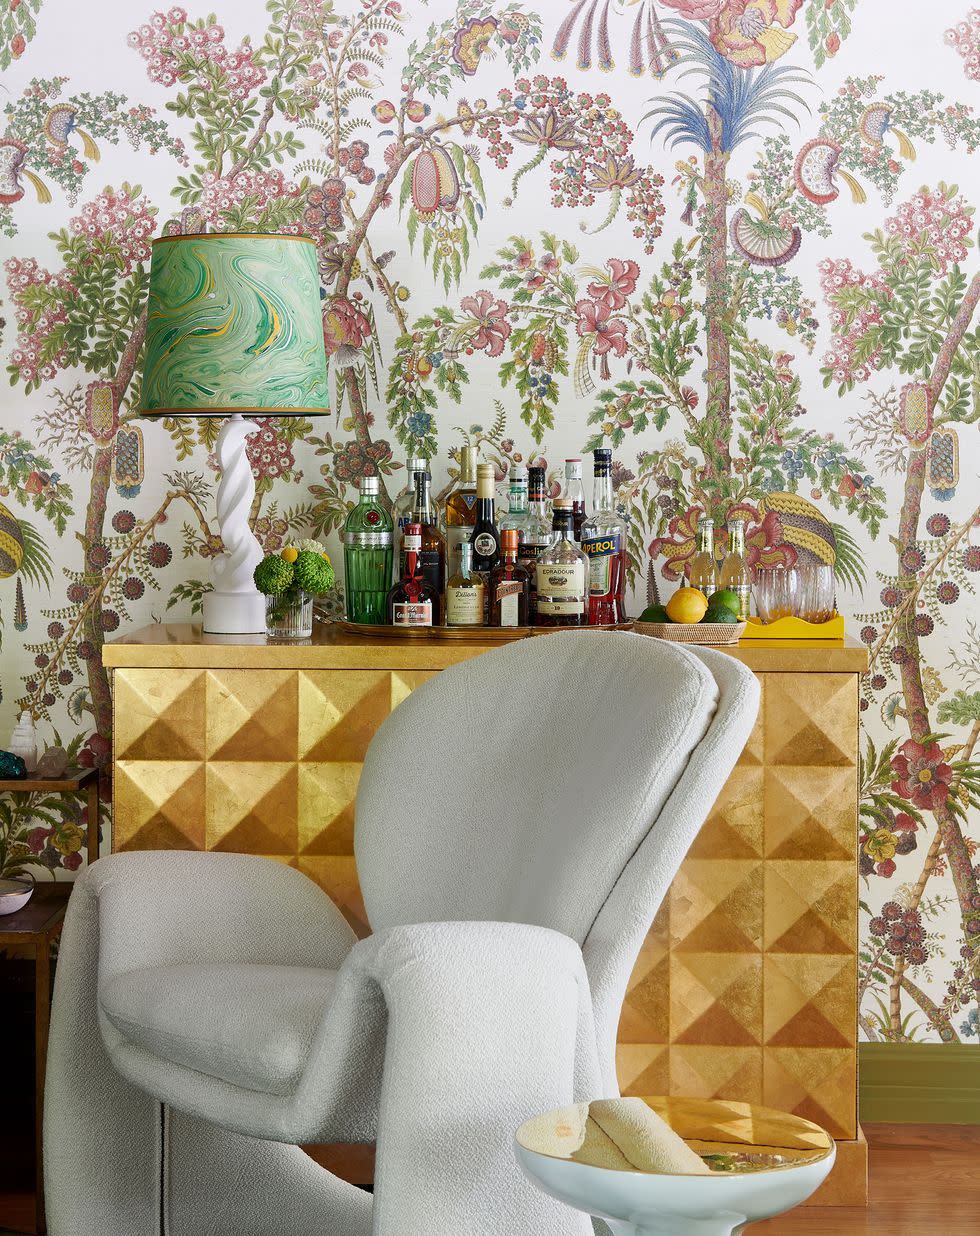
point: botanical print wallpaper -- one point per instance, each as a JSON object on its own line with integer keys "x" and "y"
{"x": 732, "y": 239}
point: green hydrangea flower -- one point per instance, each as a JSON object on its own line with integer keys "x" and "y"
{"x": 313, "y": 573}
{"x": 273, "y": 576}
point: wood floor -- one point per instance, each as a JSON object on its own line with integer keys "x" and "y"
{"x": 925, "y": 1181}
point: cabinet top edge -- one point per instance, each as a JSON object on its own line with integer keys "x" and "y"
{"x": 184, "y": 646}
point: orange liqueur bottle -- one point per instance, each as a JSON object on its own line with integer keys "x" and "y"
{"x": 509, "y": 585}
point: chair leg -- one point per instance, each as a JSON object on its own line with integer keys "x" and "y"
{"x": 102, "y": 1137}
{"x": 219, "y": 1183}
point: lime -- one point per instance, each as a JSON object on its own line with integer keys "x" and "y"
{"x": 726, "y": 597}
{"x": 654, "y": 613}
{"x": 720, "y": 613}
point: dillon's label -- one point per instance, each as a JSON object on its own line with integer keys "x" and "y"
{"x": 484, "y": 545}
{"x": 412, "y": 614}
{"x": 464, "y": 606}
{"x": 561, "y": 587}
{"x": 601, "y": 551}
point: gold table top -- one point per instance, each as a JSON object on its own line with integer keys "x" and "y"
{"x": 184, "y": 646}
{"x": 731, "y": 1138}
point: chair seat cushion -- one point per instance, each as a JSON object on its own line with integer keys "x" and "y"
{"x": 250, "y": 1026}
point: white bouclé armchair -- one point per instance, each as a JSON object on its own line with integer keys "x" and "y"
{"x": 519, "y": 820}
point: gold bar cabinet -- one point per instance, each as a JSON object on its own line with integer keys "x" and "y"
{"x": 746, "y": 985}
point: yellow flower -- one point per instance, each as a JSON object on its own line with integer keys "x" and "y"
{"x": 68, "y": 838}
{"x": 881, "y": 844}
{"x": 289, "y": 554}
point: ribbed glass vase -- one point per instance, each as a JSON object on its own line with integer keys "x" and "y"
{"x": 290, "y": 616}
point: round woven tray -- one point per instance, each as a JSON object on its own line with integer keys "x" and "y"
{"x": 716, "y": 633}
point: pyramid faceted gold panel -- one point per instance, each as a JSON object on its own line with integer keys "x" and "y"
{"x": 250, "y": 807}
{"x": 326, "y": 807}
{"x": 157, "y": 805}
{"x": 158, "y": 716}
{"x": 744, "y": 987}
{"x": 251, "y": 715}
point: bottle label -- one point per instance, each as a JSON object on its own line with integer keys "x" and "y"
{"x": 464, "y": 607}
{"x": 601, "y": 551}
{"x": 484, "y": 545}
{"x": 561, "y": 587}
{"x": 412, "y": 614}
{"x": 744, "y": 593}
{"x": 430, "y": 565}
{"x": 507, "y": 600}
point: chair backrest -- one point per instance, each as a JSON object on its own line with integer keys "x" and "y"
{"x": 522, "y": 785}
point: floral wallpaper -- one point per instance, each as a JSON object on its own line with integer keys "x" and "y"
{"x": 732, "y": 239}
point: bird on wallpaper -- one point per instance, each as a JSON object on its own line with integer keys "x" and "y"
{"x": 61, "y": 122}
{"x": 13, "y": 156}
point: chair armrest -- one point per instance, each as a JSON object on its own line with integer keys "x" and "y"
{"x": 172, "y": 907}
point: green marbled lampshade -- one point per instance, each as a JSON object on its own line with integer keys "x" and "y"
{"x": 234, "y": 325}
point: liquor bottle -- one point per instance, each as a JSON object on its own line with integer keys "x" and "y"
{"x": 459, "y": 510}
{"x": 735, "y": 573}
{"x": 466, "y": 593}
{"x": 412, "y": 602}
{"x": 516, "y": 516}
{"x": 575, "y": 492}
{"x": 562, "y": 571}
{"x": 537, "y": 533}
{"x": 432, "y": 560}
{"x": 704, "y": 571}
{"x": 485, "y": 537}
{"x": 604, "y": 543}
{"x": 367, "y": 539}
{"x": 509, "y": 585}
{"x": 401, "y": 508}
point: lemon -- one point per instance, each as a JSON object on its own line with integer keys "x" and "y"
{"x": 687, "y": 605}
{"x": 289, "y": 554}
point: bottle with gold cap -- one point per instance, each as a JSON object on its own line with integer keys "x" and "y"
{"x": 459, "y": 508}
{"x": 485, "y": 536}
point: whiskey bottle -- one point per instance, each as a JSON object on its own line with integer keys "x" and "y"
{"x": 735, "y": 574}
{"x": 704, "y": 572}
{"x": 516, "y": 516}
{"x": 466, "y": 593}
{"x": 412, "y": 602}
{"x": 561, "y": 573}
{"x": 432, "y": 558}
{"x": 459, "y": 509}
{"x": 604, "y": 543}
{"x": 367, "y": 539}
{"x": 574, "y": 491}
{"x": 537, "y": 533}
{"x": 485, "y": 538}
{"x": 509, "y": 586}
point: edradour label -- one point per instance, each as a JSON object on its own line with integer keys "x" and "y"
{"x": 601, "y": 550}
{"x": 561, "y": 587}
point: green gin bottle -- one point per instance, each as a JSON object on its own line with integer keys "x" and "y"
{"x": 368, "y": 548}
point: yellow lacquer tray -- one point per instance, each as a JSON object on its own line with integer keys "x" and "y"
{"x": 473, "y": 635}
{"x": 794, "y": 628}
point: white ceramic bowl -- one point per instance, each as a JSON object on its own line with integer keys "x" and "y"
{"x": 14, "y": 895}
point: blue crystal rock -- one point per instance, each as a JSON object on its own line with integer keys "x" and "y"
{"x": 12, "y": 767}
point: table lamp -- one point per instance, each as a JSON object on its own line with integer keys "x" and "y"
{"x": 234, "y": 328}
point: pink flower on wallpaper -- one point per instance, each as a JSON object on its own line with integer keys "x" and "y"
{"x": 345, "y": 326}
{"x": 223, "y": 193}
{"x": 922, "y": 775}
{"x": 117, "y": 219}
{"x": 594, "y": 319}
{"x": 177, "y": 52}
{"x": 613, "y": 290}
{"x": 491, "y": 315}
{"x": 936, "y": 224}
{"x": 965, "y": 37}
{"x": 746, "y": 32}
{"x": 35, "y": 324}
{"x": 856, "y": 303}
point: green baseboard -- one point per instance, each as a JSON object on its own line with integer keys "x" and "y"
{"x": 919, "y": 1083}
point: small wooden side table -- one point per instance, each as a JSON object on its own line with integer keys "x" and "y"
{"x": 32, "y": 930}
{"x": 75, "y": 779}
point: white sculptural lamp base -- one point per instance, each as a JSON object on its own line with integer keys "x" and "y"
{"x": 235, "y": 606}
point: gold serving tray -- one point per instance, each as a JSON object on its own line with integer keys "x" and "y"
{"x": 472, "y": 635}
